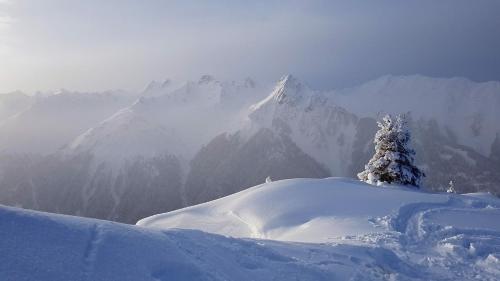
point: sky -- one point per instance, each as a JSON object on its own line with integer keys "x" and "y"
{"x": 94, "y": 45}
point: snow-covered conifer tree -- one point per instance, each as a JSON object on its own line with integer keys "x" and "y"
{"x": 393, "y": 161}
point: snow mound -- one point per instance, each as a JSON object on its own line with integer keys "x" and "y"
{"x": 323, "y": 210}
{"x": 302, "y": 210}
{"x": 445, "y": 235}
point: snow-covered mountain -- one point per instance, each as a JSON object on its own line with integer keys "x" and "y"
{"x": 187, "y": 117}
{"x": 313, "y": 120}
{"x": 184, "y": 144}
{"x": 301, "y": 229}
{"x": 141, "y": 152}
{"x": 465, "y": 109}
{"x": 293, "y": 132}
{"x": 322, "y": 125}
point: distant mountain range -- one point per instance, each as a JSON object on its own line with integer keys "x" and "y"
{"x": 123, "y": 156}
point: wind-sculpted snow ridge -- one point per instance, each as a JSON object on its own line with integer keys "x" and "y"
{"x": 414, "y": 235}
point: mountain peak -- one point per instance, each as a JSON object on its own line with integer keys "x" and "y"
{"x": 249, "y": 83}
{"x": 205, "y": 79}
{"x": 167, "y": 82}
{"x": 157, "y": 87}
{"x": 288, "y": 88}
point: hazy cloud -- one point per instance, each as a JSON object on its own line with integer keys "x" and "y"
{"x": 5, "y": 24}
{"x": 107, "y": 44}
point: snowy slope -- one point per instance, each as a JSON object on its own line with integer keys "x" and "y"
{"x": 47, "y": 247}
{"x": 125, "y": 135}
{"x": 355, "y": 232}
{"x": 444, "y": 235}
{"x": 302, "y": 210}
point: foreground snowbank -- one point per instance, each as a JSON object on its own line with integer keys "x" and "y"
{"x": 368, "y": 233}
{"x": 47, "y": 247}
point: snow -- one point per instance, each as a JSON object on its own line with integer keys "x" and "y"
{"x": 300, "y": 210}
{"x": 429, "y": 233}
{"x": 329, "y": 229}
{"x": 38, "y": 246}
{"x": 123, "y": 136}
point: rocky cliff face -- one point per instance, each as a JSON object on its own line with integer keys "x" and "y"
{"x": 231, "y": 163}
